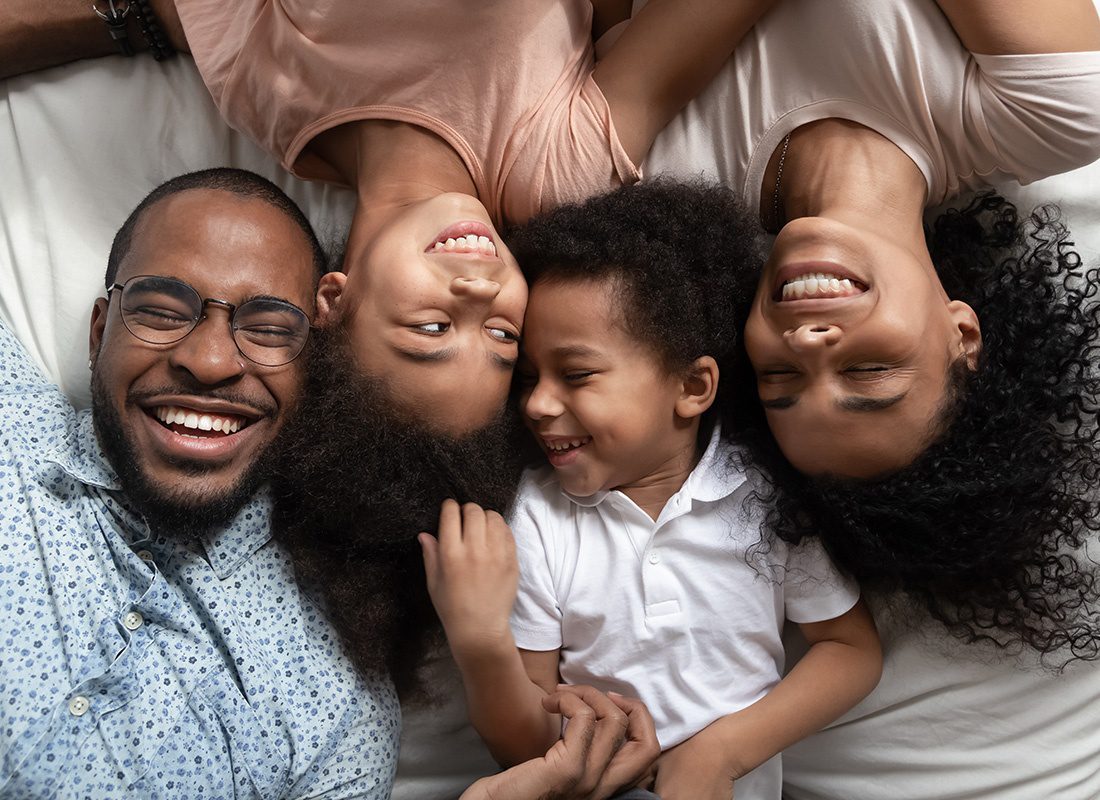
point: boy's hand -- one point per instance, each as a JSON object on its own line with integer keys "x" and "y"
{"x": 609, "y": 744}
{"x": 472, "y": 577}
{"x": 697, "y": 769}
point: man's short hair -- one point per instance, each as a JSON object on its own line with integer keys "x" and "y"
{"x": 227, "y": 179}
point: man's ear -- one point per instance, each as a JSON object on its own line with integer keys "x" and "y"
{"x": 330, "y": 292}
{"x": 970, "y": 332}
{"x": 699, "y": 388}
{"x": 95, "y": 330}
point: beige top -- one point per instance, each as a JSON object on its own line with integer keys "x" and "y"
{"x": 507, "y": 83}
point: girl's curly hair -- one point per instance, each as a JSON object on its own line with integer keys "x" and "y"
{"x": 987, "y": 530}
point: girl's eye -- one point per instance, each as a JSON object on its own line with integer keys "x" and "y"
{"x": 433, "y": 328}
{"x": 503, "y": 335}
{"x": 776, "y": 375}
{"x": 576, "y": 376}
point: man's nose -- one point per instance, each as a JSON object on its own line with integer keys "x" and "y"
{"x": 209, "y": 352}
{"x": 812, "y": 337}
{"x": 475, "y": 288}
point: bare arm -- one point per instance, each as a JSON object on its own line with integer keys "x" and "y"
{"x": 472, "y": 576}
{"x": 842, "y": 666}
{"x": 35, "y": 35}
{"x": 666, "y": 56}
{"x": 1010, "y": 27}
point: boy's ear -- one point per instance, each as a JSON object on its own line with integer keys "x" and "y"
{"x": 699, "y": 388}
{"x": 330, "y": 290}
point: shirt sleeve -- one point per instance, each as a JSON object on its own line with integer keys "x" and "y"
{"x": 814, "y": 589}
{"x": 1040, "y": 113}
{"x": 536, "y": 616}
{"x": 18, "y": 372}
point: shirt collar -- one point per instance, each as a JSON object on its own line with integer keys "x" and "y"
{"x": 234, "y": 543}
{"x": 80, "y": 456}
{"x": 717, "y": 475}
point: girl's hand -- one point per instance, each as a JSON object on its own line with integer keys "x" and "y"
{"x": 472, "y": 577}
{"x": 697, "y": 769}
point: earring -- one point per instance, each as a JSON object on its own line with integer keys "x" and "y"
{"x": 89, "y": 363}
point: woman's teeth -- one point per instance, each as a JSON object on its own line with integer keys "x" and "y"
{"x": 470, "y": 243}
{"x": 193, "y": 420}
{"x": 819, "y": 284}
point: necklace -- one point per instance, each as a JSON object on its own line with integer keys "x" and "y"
{"x": 775, "y": 193}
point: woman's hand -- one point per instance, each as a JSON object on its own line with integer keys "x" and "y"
{"x": 472, "y": 577}
{"x": 697, "y": 769}
{"x": 609, "y": 745}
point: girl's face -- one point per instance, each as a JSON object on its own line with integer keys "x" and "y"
{"x": 853, "y": 376}
{"x": 600, "y": 404}
{"x": 433, "y": 302}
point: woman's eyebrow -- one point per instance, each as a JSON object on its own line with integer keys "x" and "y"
{"x": 853, "y": 403}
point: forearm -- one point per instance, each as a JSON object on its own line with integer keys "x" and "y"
{"x": 505, "y": 706}
{"x": 35, "y": 35}
{"x": 1008, "y": 27}
{"x": 670, "y": 51}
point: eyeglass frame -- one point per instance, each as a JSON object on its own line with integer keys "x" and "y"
{"x": 203, "y": 303}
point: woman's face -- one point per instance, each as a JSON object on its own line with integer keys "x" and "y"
{"x": 852, "y": 372}
{"x": 433, "y": 303}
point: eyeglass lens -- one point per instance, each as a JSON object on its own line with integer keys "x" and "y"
{"x": 164, "y": 310}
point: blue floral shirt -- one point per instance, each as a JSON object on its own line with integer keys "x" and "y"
{"x": 134, "y": 665}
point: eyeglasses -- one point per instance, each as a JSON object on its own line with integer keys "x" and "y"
{"x": 161, "y": 310}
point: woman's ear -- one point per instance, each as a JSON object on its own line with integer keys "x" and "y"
{"x": 970, "y": 332}
{"x": 330, "y": 292}
{"x": 699, "y": 388}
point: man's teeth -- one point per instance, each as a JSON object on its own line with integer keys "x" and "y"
{"x": 471, "y": 243}
{"x": 819, "y": 284}
{"x": 174, "y": 415}
{"x": 561, "y": 445}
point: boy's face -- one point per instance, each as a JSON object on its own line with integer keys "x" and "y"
{"x": 599, "y": 403}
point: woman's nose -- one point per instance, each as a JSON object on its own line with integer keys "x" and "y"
{"x": 475, "y": 288}
{"x": 811, "y": 337}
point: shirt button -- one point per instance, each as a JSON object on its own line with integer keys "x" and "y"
{"x": 654, "y": 558}
{"x": 144, "y": 555}
{"x": 78, "y": 706}
{"x": 133, "y": 621}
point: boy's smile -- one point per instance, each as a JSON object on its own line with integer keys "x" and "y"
{"x": 600, "y": 403}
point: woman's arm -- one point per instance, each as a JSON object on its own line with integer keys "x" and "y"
{"x": 668, "y": 53}
{"x": 1012, "y": 27}
{"x": 472, "y": 577}
{"x": 35, "y": 35}
{"x": 842, "y": 666}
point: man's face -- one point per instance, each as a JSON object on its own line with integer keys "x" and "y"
{"x": 149, "y": 400}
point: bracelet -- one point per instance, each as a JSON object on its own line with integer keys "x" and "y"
{"x": 115, "y": 19}
{"x": 151, "y": 30}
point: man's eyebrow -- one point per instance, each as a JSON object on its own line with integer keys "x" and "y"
{"x": 855, "y": 403}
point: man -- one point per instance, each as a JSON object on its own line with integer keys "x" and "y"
{"x": 156, "y": 643}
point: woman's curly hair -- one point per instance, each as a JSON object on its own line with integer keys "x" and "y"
{"x": 987, "y": 530}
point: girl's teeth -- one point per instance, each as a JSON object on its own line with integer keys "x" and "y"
{"x": 818, "y": 284}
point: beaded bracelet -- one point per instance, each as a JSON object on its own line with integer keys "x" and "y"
{"x": 151, "y": 30}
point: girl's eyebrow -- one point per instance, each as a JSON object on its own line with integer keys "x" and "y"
{"x": 575, "y": 350}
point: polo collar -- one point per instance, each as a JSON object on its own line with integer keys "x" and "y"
{"x": 228, "y": 547}
{"x": 717, "y": 475}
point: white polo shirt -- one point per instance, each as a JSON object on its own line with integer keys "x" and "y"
{"x": 685, "y": 613}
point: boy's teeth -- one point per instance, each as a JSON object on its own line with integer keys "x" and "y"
{"x": 818, "y": 284}
{"x": 174, "y": 415}
{"x": 561, "y": 445}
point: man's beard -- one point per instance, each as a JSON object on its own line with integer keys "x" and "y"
{"x": 184, "y": 512}
{"x": 357, "y": 480}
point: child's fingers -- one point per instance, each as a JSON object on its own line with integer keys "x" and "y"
{"x": 473, "y": 525}
{"x": 429, "y": 550}
{"x": 450, "y": 527}
{"x": 499, "y": 534}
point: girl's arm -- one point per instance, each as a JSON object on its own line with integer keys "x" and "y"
{"x": 1013, "y": 27}
{"x": 668, "y": 53}
{"x": 842, "y": 666}
{"x": 472, "y": 577}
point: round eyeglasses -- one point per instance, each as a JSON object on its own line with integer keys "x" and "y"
{"x": 159, "y": 310}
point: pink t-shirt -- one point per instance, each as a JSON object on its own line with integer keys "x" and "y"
{"x": 507, "y": 83}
